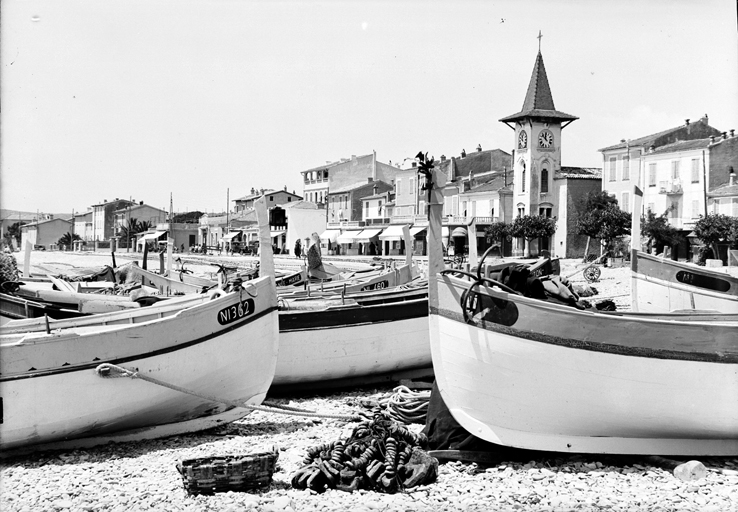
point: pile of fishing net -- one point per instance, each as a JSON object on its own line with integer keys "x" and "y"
{"x": 380, "y": 455}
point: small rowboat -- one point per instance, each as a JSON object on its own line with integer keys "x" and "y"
{"x": 532, "y": 374}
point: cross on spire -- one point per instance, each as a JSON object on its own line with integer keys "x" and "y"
{"x": 539, "y": 40}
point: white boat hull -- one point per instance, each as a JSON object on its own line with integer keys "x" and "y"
{"x": 568, "y": 400}
{"x": 334, "y": 353}
{"x": 653, "y": 295}
{"x": 51, "y": 402}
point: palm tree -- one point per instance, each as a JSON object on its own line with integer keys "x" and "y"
{"x": 67, "y": 239}
{"x": 133, "y": 228}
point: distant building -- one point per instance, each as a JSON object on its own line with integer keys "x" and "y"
{"x": 624, "y": 164}
{"x": 83, "y": 226}
{"x": 723, "y": 158}
{"x": 45, "y": 232}
{"x": 273, "y": 198}
{"x": 571, "y": 187}
{"x": 103, "y": 218}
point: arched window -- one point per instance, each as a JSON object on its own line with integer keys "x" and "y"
{"x": 544, "y": 180}
{"x": 522, "y": 175}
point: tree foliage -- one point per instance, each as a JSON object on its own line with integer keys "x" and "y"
{"x": 714, "y": 228}
{"x": 13, "y": 232}
{"x": 187, "y": 217}
{"x": 497, "y": 231}
{"x": 531, "y": 227}
{"x": 605, "y": 224}
{"x": 66, "y": 239}
{"x": 131, "y": 229}
{"x": 659, "y": 231}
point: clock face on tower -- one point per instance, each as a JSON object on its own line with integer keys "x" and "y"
{"x": 522, "y": 140}
{"x": 545, "y": 139}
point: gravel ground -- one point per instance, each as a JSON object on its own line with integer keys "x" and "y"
{"x": 143, "y": 475}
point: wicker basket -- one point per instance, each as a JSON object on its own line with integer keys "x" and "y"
{"x": 209, "y": 475}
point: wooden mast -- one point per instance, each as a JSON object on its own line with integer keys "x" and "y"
{"x": 635, "y": 243}
{"x": 266, "y": 257}
{"x": 435, "y": 247}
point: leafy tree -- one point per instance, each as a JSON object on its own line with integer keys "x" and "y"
{"x": 67, "y": 239}
{"x": 497, "y": 231}
{"x": 601, "y": 218}
{"x": 131, "y": 229}
{"x": 714, "y": 228}
{"x": 531, "y": 227}
{"x": 13, "y": 232}
{"x": 659, "y": 231}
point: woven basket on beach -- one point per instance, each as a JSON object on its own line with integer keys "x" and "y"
{"x": 209, "y": 475}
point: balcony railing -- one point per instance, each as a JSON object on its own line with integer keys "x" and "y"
{"x": 670, "y": 187}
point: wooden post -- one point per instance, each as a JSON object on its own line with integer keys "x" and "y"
{"x": 635, "y": 243}
{"x": 408, "y": 245}
{"x": 472, "y": 234}
{"x": 266, "y": 257}
{"x": 27, "y": 260}
{"x": 170, "y": 245}
{"x": 112, "y": 251}
{"x": 435, "y": 241}
{"x": 145, "y": 259}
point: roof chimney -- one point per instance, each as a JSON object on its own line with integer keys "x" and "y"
{"x": 732, "y": 133}
{"x": 285, "y": 188}
{"x": 479, "y": 147}
{"x": 622, "y": 141}
{"x": 370, "y": 179}
{"x": 706, "y": 119}
{"x": 732, "y": 176}
{"x": 443, "y": 158}
{"x": 725, "y": 135}
{"x": 712, "y": 139}
{"x": 141, "y": 203}
{"x": 686, "y": 121}
{"x": 463, "y": 153}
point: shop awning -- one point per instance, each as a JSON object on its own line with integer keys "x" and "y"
{"x": 330, "y": 235}
{"x": 418, "y": 230}
{"x": 367, "y": 235}
{"x": 277, "y": 233}
{"x": 392, "y": 233}
{"x": 458, "y": 232}
{"x": 152, "y": 236}
{"x": 347, "y": 237}
{"x": 232, "y": 235}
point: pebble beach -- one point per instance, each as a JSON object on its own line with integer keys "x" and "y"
{"x": 142, "y": 475}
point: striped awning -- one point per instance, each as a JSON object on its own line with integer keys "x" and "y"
{"x": 458, "y": 232}
{"x": 330, "y": 235}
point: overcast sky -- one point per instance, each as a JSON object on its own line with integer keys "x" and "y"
{"x": 106, "y": 99}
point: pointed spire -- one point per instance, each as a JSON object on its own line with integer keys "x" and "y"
{"x": 539, "y": 95}
{"x": 538, "y": 99}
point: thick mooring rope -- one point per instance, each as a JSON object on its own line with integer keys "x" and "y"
{"x": 108, "y": 370}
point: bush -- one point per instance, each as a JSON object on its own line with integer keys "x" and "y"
{"x": 8, "y": 268}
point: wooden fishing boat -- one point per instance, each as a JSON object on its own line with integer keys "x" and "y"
{"x": 663, "y": 285}
{"x": 220, "y": 344}
{"x": 13, "y": 307}
{"x": 533, "y": 374}
{"x": 323, "y": 341}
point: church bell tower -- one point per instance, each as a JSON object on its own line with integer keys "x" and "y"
{"x": 537, "y": 154}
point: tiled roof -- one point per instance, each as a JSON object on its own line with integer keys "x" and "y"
{"x": 580, "y": 173}
{"x": 257, "y": 195}
{"x": 724, "y": 191}
{"x": 538, "y": 99}
{"x": 495, "y": 184}
{"x": 300, "y": 205}
{"x": 333, "y": 164}
{"x": 682, "y": 145}
{"x": 700, "y": 130}
{"x": 477, "y": 162}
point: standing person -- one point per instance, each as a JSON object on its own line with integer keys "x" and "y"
{"x": 298, "y": 248}
{"x": 315, "y": 260}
